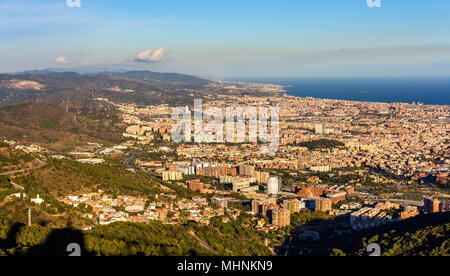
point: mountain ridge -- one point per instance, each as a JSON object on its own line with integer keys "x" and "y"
{"x": 163, "y": 78}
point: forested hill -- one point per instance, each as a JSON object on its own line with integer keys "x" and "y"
{"x": 58, "y": 125}
{"x": 128, "y": 239}
{"x": 67, "y": 79}
{"x": 164, "y": 79}
{"x": 139, "y": 87}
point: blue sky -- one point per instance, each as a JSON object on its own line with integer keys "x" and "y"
{"x": 230, "y": 38}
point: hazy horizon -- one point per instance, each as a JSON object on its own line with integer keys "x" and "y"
{"x": 229, "y": 39}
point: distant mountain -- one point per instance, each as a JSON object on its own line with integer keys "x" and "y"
{"x": 79, "y": 70}
{"x": 171, "y": 79}
{"x": 155, "y": 78}
{"x": 139, "y": 87}
{"x": 71, "y": 80}
{"x": 38, "y": 72}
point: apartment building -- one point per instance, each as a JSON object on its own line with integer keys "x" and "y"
{"x": 280, "y": 217}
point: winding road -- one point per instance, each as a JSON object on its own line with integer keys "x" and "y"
{"x": 40, "y": 165}
{"x": 202, "y": 243}
{"x": 128, "y": 162}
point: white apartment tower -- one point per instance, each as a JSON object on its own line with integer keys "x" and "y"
{"x": 273, "y": 186}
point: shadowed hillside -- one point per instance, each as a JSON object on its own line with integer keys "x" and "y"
{"x": 128, "y": 239}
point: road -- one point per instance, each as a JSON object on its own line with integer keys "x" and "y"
{"x": 14, "y": 172}
{"x": 128, "y": 162}
{"x": 202, "y": 243}
{"x": 407, "y": 202}
{"x": 40, "y": 165}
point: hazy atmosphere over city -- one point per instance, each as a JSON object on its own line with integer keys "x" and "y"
{"x": 248, "y": 131}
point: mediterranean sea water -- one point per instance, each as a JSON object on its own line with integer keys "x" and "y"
{"x": 426, "y": 90}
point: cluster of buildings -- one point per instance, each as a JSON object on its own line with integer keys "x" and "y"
{"x": 409, "y": 140}
{"x": 323, "y": 194}
{"x": 107, "y": 209}
{"x": 404, "y": 139}
{"x": 433, "y": 205}
{"x": 373, "y": 216}
{"x": 375, "y": 134}
{"x": 367, "y": 217}
{"x": 94, "y": 153}
{"x": 280, "y": 216}
{"x": 241, "y": 178}
{"x": 30, "y": 148}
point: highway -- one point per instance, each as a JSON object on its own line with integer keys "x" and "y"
{"x": 40, "y": 165}
{"x": 128, "y": 162}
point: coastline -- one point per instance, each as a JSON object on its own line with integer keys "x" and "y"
{"x": 430, "y": 91}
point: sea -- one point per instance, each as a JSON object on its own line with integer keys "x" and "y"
{"x": 425, "y": 90}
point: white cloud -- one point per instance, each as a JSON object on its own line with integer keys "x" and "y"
{"x": 62, "y": 60}
{"x": 151, "y": 56}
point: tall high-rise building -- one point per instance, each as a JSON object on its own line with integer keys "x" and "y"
{"x": 273, "y": 186}
{"x": 409, "y": 212}
{"x": 246, "y": 170}
{"x": 170, "y": 175}
{"x": 293, "y": 205}
{"x": 261, "y": 177}
{"x": 281, "y": 217}
{"x": 319, "y": 204}
{"x": 319, "y": 129}
{"x": 262, "y": 207}
{"x": 431, "y": 205}
{"x": 255, "y": 207}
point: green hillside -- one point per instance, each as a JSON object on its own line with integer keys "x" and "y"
{"x": 54, "y": 127}
{"x": 127, "y": 239}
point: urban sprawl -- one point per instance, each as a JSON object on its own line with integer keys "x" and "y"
{"x": 360, "y": 144}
